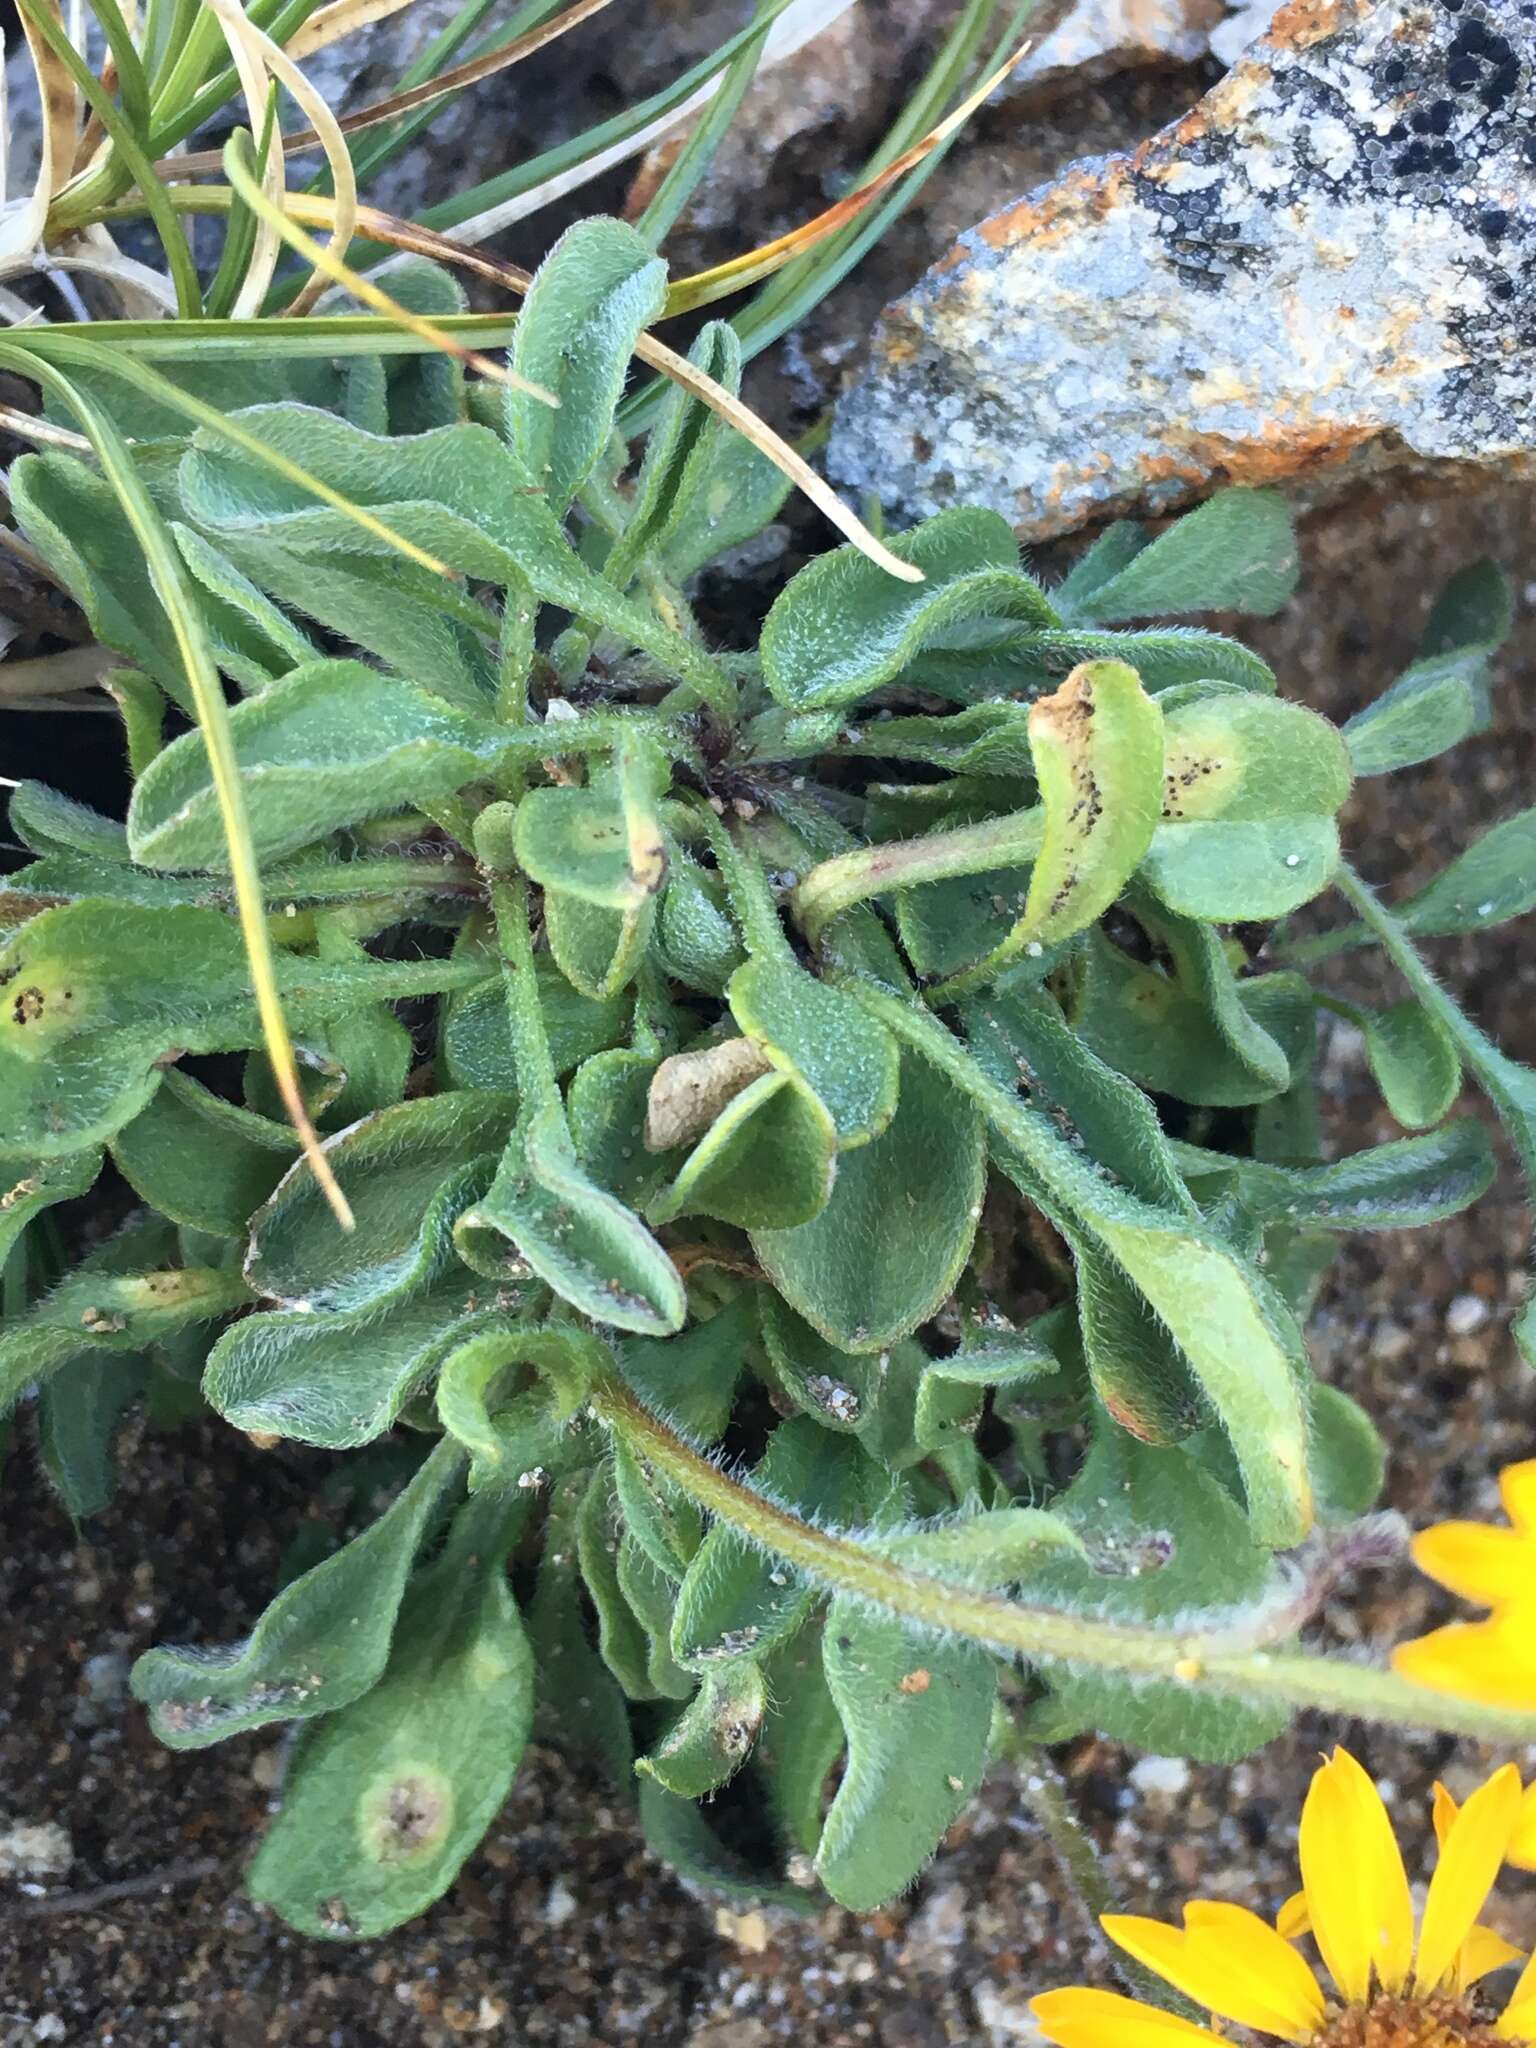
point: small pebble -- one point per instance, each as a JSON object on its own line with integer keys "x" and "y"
{"x": 35, "y": 1848}
{"x": 560, "y": 1903}
{"x": 1467, "y": 1313}
{"x": 748, "y": 1931}
{"x": 1161, "y": 1777}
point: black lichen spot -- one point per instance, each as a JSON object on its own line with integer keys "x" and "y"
{"x": 1492, "y": 222}
{"x": 1417, "y": 158}
{"x": 29, "y": 1005}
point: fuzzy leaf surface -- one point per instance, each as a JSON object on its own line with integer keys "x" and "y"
{"x": 389, "y": 1795}
{"x": 321, "y": 1643}
{"x": 886, "y": 1250}
{"x": 843, "y": 627}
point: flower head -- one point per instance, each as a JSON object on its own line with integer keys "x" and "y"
{"x": 1398, "y": 1986}
{"x": 1492, "y": 1661}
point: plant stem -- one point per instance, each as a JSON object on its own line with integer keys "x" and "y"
{"x": 1322, "y": 945}
{"x": 1044, "y": 1792}
{"x": 836, "y": 885}
{"x": 519, "y": 611}
{"x": 747, "y": 886}
{"x": 1510, "y": 1087}
{"x": 1225, "y": 1660}
{"x": 530, "y": 1045}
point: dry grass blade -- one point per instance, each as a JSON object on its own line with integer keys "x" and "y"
{"x": 404, "y": 234}
{"x": 341, "y": 18}
{"x": 778, "y": 452}
{"x": 22, "y": 233}
{"x": 801, "y": 22}
{"x": 30, "y": 428}
{"x": 364, "y": 289}
{"x": 706, "y": 286}
{"x": 469, "y": 73}
{"x": 246, "y": 56}
{"x": 142, "y": 292}
{"x": 337, "y": 155}
{"x": 53, "y": 675}
{"x": 60, "y": 98}
{"x": 169, "y": 577}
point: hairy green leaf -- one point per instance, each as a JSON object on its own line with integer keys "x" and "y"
{"x": 389, "y": 1795}
{"x": 916, "y": 1713}
{"x": 1414, "y": 1061}
{"x": 96, "y": 995}
{"x": 543, "y": 1214}
{"x": 407, "y": 1173}
{"x": 594, "y": 293}
{"x": 1236, "y": 552}
{"x": 1165, "y": 1542}
{"x": 333, "y": 744}
{"x": 204, "y": 1162}
{"x": 1251, "y": 786}
{"x": 320, "y": 1644}
{"x": 885, "y": 1252}
{"x": 843, "y": 627}
{"x": 341, "y": 1380}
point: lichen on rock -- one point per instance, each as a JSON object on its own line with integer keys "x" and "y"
{"x": 1327, "y": 269}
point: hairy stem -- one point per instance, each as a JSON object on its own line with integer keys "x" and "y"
{"x": 836, "y": 885}
{"x": 1227, "y": 1661}
{"x": 1077, "y": 1857}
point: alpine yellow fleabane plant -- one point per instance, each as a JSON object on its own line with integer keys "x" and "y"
{"x": 1395, "y": 1990}
{"x": 1492, "y": 1661}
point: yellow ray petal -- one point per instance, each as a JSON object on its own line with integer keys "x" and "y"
{"x": 1446, "y": 1810}
{"x": 1231, "y": 1961}
{"x": 1519, "y": 2021}
{"x": 1469, "y": 1862}
{"x": 1293, "y": 1919}
{"x": 1102, "y": 2019}
{"x": 1492, "y": 1663}
{"x": 1517, "y": 1487}
{"x": 1477, "y": 1562}
{"x": 1482, "y": 1953}
{"x": 1357, "y": 1889}
{"x": 1522, "y": 1850}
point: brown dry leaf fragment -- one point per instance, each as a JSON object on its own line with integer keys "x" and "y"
{"x": 689, "y": 1090}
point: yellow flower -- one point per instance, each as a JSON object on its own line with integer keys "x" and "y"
{"x": 1397, "y": 1989}
{"x": 1522, "y": 1848}
{"x": 1492, "y": 1662}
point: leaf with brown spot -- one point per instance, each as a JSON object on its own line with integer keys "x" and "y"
{"x": 393, "y": 1792}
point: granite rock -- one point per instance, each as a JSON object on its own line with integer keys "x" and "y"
{"x": 1323, "y": 271}
{"x": 1100, "y": 37}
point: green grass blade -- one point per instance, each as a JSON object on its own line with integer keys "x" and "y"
{"x": 132, "y": 84}
{"x": 325, "y": 335}
{"x": 135, "y": 158}
{"x": 188, "y": 98}
{"x": 376, "y": 148}
{"x": 240, "y": 232}
{"x": 802, "y": 284}
{"x": 511, "y": 184}
{"x": 170, "y": 579}
{"x": 697, "y": 154}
